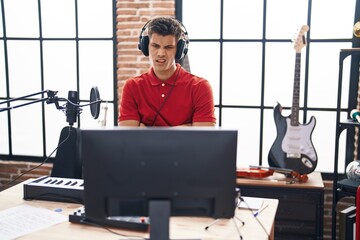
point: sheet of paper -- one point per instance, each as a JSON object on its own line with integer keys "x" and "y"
{"x": 251, "y": 202}
{"x": 24, "y": 219}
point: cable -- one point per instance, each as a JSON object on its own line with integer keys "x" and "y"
{"x": 12, "y": 181}
{"x": 109, "y": 230}
{"x": 79, "y": 105}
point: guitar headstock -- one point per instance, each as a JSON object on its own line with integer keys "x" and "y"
{"x": 300, "y": 40}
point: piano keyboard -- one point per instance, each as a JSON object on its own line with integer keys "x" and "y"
{"x": 55, "y": 189}
{"x": 71, "y": 190}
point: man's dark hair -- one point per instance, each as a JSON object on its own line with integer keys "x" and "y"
{"x": 165, "y": 26}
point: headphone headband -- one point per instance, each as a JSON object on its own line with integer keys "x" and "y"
{"x": 181, "y": 47}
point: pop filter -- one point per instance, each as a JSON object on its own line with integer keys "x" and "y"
{"x": 95, "y": 102}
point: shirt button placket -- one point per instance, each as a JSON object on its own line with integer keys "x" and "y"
{"x": 163, "y": 95}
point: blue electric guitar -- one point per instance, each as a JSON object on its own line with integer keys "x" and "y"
{"x": 293, "y": 147}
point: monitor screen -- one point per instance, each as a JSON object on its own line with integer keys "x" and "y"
{"x": 192, "y": 170}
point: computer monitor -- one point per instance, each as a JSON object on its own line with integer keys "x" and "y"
{"x": 158, "y": 172}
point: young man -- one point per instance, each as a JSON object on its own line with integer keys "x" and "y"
{"x": 166, "y": 95}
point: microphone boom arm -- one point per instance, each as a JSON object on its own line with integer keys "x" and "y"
{"x": 50, "y": 99}
{"x": 72, "y": 108}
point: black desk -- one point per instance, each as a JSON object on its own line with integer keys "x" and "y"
{"x": 301, "y": 205}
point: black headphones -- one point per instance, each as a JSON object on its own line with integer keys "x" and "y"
{"x": 181, "y": 47}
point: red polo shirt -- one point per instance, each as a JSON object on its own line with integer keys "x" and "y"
{"x": 185, "y": 97}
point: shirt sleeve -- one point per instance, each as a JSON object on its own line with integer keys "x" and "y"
{"x": 204, "y": 110}
{"x": 128, "y": 109}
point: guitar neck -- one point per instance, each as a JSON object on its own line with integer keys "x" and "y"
{"x": 296, "y": 92}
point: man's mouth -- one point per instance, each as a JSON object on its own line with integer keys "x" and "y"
{"x": 160, "y": 60}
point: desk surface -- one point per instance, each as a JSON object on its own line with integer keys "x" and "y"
{"x": 279, "y": 180}
{"x": 180, "y": 227}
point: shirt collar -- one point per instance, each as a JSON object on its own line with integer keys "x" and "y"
{"x": 154, "y": 80}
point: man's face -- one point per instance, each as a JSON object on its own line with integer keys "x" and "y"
{"x": 162, "y": 50}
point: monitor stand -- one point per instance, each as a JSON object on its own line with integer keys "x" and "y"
{"x": 159, "y": 215}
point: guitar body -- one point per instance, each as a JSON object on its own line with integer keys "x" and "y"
{"x": 293, "y": 147}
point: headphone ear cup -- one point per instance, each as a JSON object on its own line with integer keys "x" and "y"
{"x": 180, "y": 49}
{"x": 144, "y": 45}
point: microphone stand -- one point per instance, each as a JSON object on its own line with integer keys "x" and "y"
{"x": 237, "y": 203}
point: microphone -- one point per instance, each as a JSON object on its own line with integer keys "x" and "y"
{"x": 355, "y": 115}
{"x": 72, "y": 107}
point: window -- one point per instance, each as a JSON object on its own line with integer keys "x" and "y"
{"x": 63, "y": 46}
{"x": 244, "y": 49}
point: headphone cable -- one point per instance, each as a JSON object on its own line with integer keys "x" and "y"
{"x": 167, "y": 96}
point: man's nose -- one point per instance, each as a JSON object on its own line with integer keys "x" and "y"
{"x": 161, "y": 52}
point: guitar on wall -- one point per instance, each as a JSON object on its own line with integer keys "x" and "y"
{"x": 293, "y": 147}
